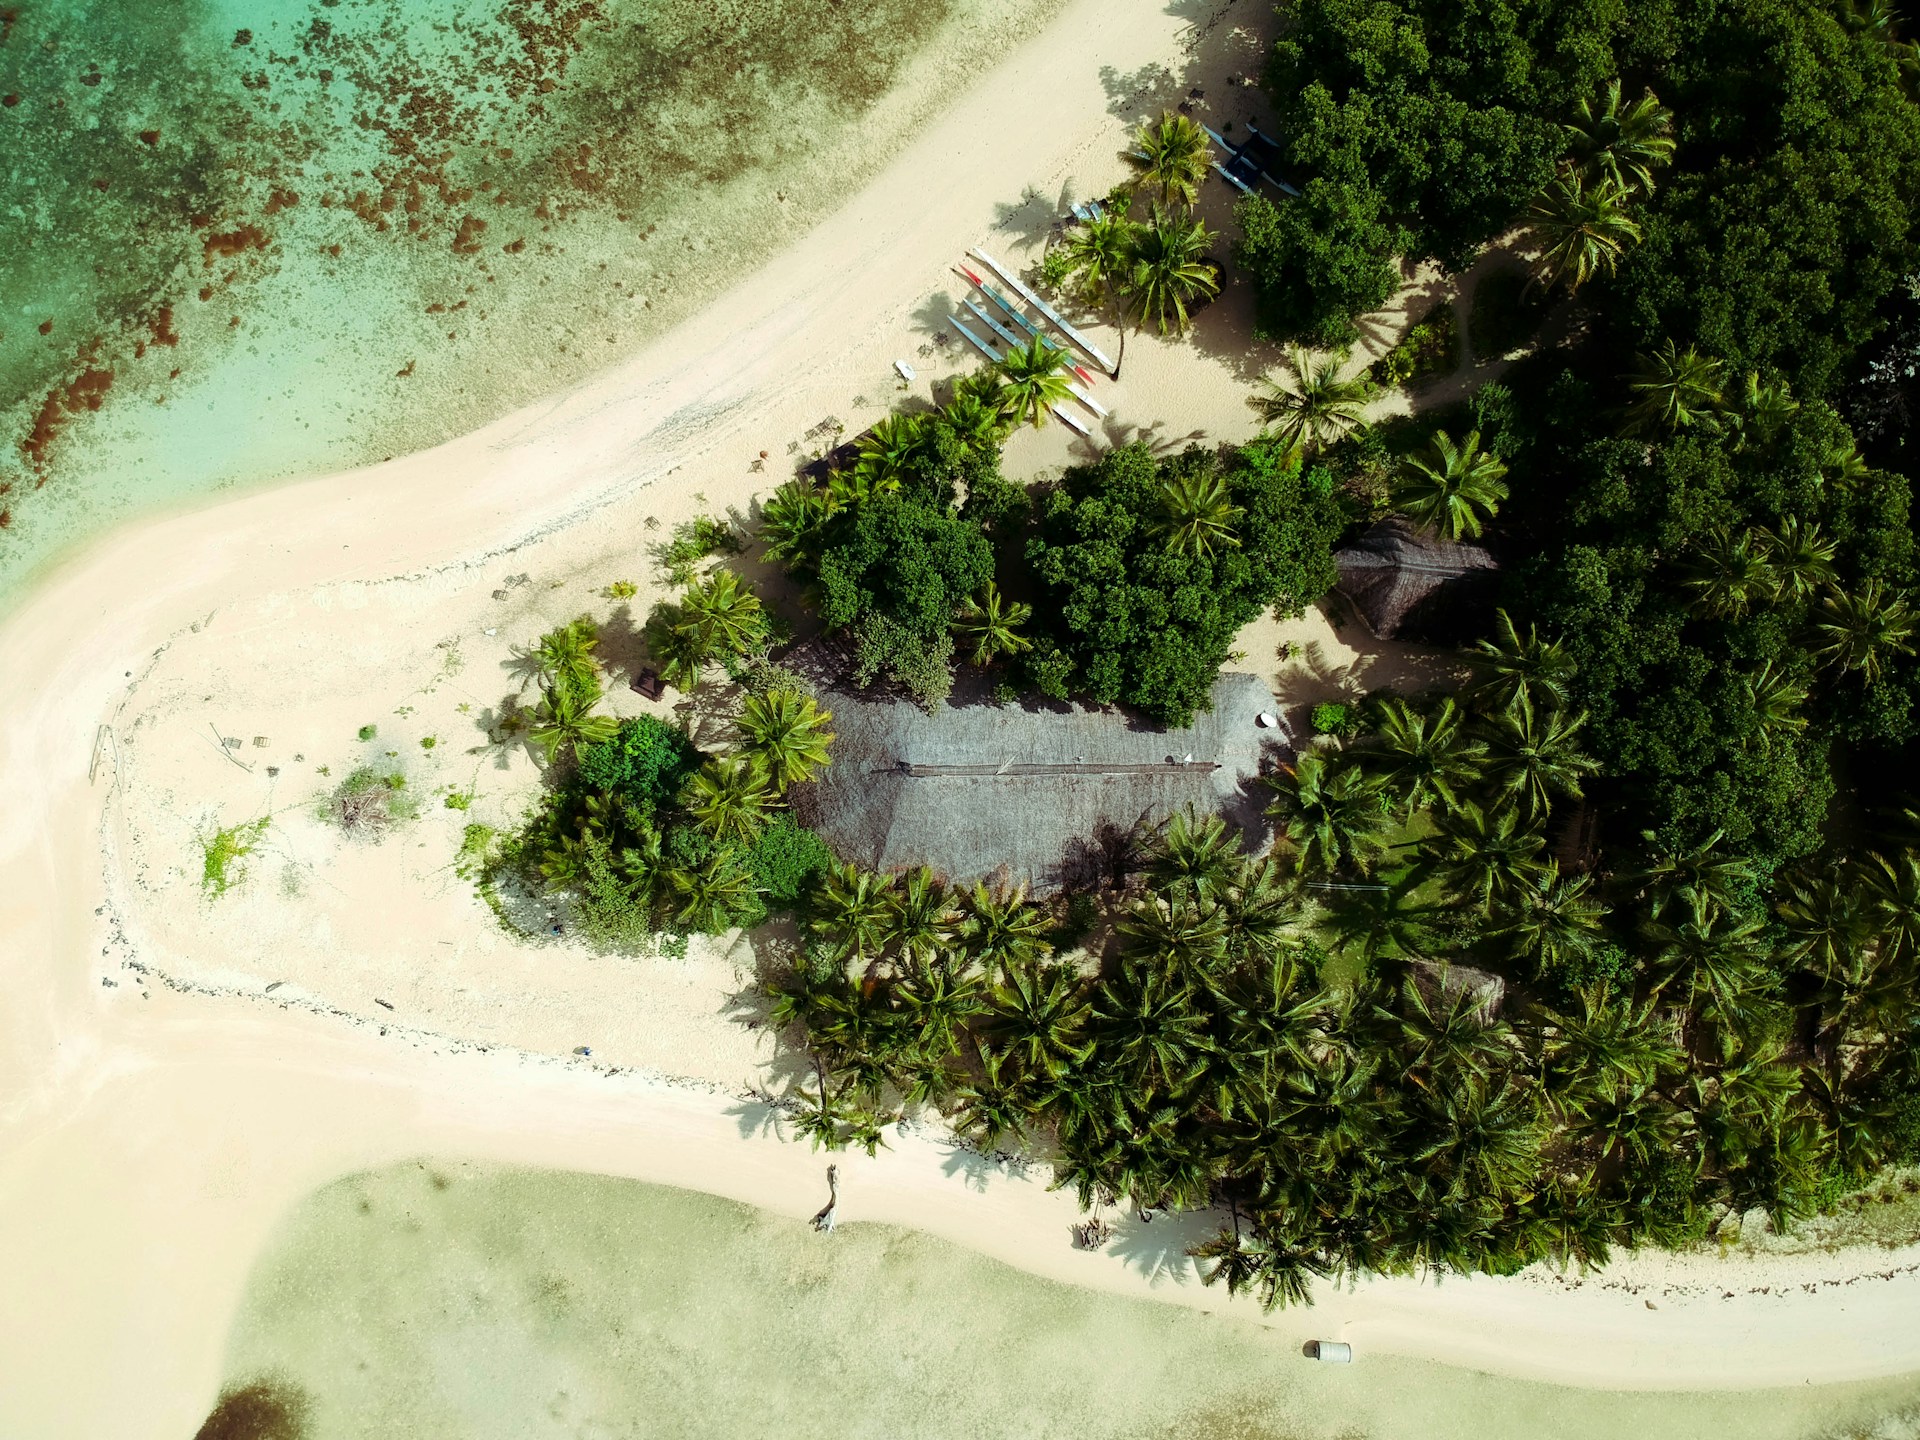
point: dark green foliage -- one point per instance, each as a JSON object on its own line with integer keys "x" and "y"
{"x": 1787, "y": 217}
{"x": 1123, "y": 617}
{"x": 1429, "y": 350}
{"x": 1316, "y": 261}
{"x": 645, "y": 764}
{"x": 787, "y": 861}
{"x": 1332, "y": 718}
{"x": 1507, "y": 312}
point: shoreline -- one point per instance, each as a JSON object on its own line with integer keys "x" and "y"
{"x": 151, "y": 1140}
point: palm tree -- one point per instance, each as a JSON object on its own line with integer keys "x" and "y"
{"x": 1827, "y": 918}
{"x": 1491, "y": 858}
{"x": 1148, "y": 1028}
{"x": 1622, "y": 144}
{"x": 1711, "y": 955}
{"x": 1423, "y": 755}
{"x": 1382, "y": 922}
{"x": 1170, "y": 271}
{"x": 1583, "y": 228}
{"x": 1802, "y": 557}
{"x": 1331, "y": 815}
{"x": 564, "y": 656}
{"x": 1170, "y": 155}
{"x": 1729, "y": 574}
{"x": 730, "y": 796}
{"x": 1319, "y": 407}
{"x": 1510, "y": 668}
{"x": 852, "y": 913}
{"x": 711, "y": 896}
{"x": 716, "y": 616}
{"x": 923, "y": 921}
{"x": 975, "y": 421}
{"x": 887, "y": 453}
{"x": 990, "y": 624}
{"x": 1604, "y": 1046}
{"x": 791, "y": 522}
{"x": 1197, "y": 512}
{"x": 1555, "y": 919}
{"x": 1002, "y": 928}
{"x": 1774, "y": 698}
{"x": 1674, "y": 389}
{"x": 1693, "y": 880}
{"x": 1195, "y": 857}
{"x": 1037, "y": 1018}
{"x": 1037, "y": 377}
{"x": 1531, "y": 756}
{"x": 565, "y": 719}
{"x": 1451, "y": 489}
{"x": 1180, "y": 931}
{"x": 787, "y": 732}
{"x": 1863, "y": 629}
{"x": 1099, "y": 254}
{"x": 1766, "y": 404}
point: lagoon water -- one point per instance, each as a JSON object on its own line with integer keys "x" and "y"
{"x": 249, "y": 239}
{"x": 451, "y": 1302}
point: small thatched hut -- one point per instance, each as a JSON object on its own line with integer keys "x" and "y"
{"x": 1025, "y": 795}
{"x": 1408, "y": 583}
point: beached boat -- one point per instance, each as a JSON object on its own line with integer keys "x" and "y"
{"x": 1019, "y": 288}
{"x": 1019, "y": 317}
{"x": 1013, "y": 342}
{"x": 1065, "y": 418}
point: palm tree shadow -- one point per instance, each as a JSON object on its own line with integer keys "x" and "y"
{"x": 759, "y": 1118}
{"x": 1158, "y": 1250}
{"x": 974, "y": 1170}
{"x": 1132, "y": 94}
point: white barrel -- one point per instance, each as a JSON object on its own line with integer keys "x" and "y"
{"x": 1330, "y": 1352}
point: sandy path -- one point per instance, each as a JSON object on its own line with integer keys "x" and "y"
{"x": 149, "y": 1145}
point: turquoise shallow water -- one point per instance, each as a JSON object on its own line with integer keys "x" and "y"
{"x": 439, "y": 1300}
{"x": 245, "y": 239}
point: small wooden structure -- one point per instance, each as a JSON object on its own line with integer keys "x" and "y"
{"x": 648, "y": 684}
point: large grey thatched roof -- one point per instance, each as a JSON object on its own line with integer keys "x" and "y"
{"x": 1023, "y": 796}
{"x": 1403, "y": 580}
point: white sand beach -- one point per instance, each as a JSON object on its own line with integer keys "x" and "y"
{"x": 177, "y": 1072}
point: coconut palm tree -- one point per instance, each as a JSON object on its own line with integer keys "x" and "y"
{"x": 730, "y": 796}
{"x": 1729, "y": 574}
{"x": 990, "y": 625}
{"x": 1623, "y": 144}
{"x": 1001, "y": 928}
{"x": 1509, "y": 668}
{"x": 791, "y": 522}
{"x": 709, "y": 897}
{"x": 1180, "y": 931}
{"x": 1532, "y": 755}
{"x": 565, "y": 718}
{"x": 787, "y": 733}
{"x": 1382, "y": 922}
{"x": 1674, "y": 390}
{"x": 1451, "y": 489}
{"x": 1483, "y": 1136}
{"x": 1037, "y": 1019}
{"x": 1036, "y": 378}
{"x": 1582, "y": 227}
{"x": 1423, "y": 755}
{"x": 974, "y": 418}
{"x": 1490, "y": 857}
{"x": 716, "y": 616}
{"x": 1709, "y": 954}
{"x": 1170, "y": 155}
{"x": 1863, "y": 629}
{"x": 1170, "y": 271}
{"x": 1774, "y": 698}
{"x": 1766, "y": 404}
{"x": 853, "y": 914}
{"x": 1802, "y": 557}
{"x": 1197, "y": 512}
{"x": 564, "y": 656}
{"x": 1195, "y": 857}
{"x": 888, "y": 452}
{"x": 1319, "y": 407}
{"x": 853, "y": 487}
{"x": 1554, "y": 919}
{"x": 1604, "y": 1044}
{"x": 991, "y": 1111}
{"x": 1148, "y": 1029}
{"x": 1693, "y": 880}
{"x": 1330, "y": 815}
{"x": 1099, "y": 256}
{"x": 924, "y": 923}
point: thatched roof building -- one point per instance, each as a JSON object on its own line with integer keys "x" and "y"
{"x": 1407, "y": 582}
{"x": 1026, "y": 796}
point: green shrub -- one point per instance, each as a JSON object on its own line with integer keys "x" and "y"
{"x": 1333, "y": 718}
{"x": 787, "y": 860}
{"x": 1429, "y": 350}
{"x": 645, "y": 763}
{"x": 223, "y": 855}
{"x": 613, "y": 912}
{"x": 693, "y": 541}
{"x": 370, "y": 802}
{"x": 367, "y": 732}
{"x": 1506, "y": 313}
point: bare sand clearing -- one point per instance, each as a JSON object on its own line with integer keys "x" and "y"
{"x": 178, "y": 1072}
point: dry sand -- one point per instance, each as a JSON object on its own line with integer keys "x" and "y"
{"x": 177, "y": 1072}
